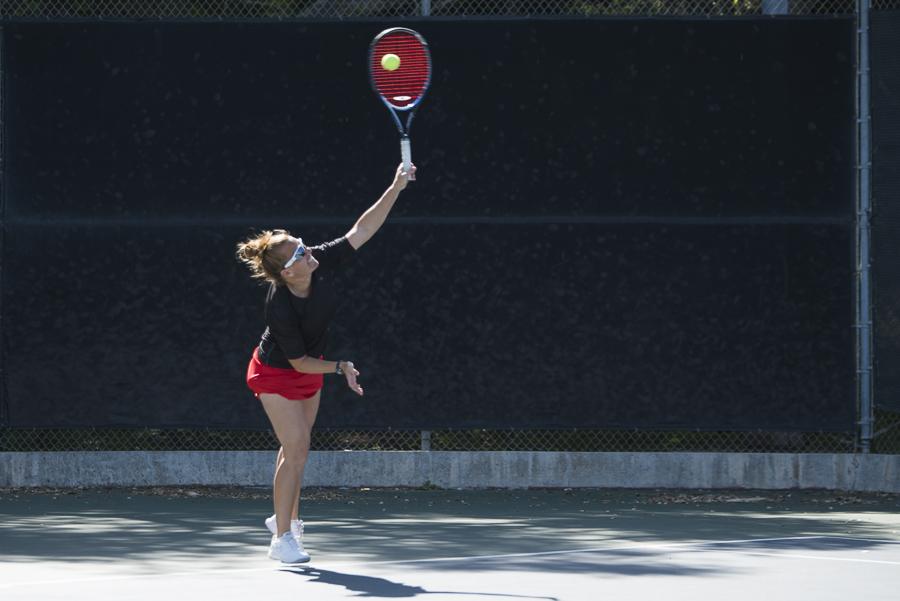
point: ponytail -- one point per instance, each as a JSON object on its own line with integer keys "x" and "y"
{"x": 257, "y": 254}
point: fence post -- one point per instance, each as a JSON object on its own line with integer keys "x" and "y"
{"x": 426, "y": 8}
{"x": 864, "y": 356}
{"x": 426, "y": 440}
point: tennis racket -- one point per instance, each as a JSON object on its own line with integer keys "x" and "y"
{"x": 401, "y": 85}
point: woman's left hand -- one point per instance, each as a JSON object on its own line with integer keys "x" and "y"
{"x": 402, "y": 177}
{"x": 351, "y": 373}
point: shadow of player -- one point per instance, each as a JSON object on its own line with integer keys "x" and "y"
{"x": 370, "y": 586}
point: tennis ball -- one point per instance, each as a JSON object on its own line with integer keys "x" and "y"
{"x": 390, "y": 62}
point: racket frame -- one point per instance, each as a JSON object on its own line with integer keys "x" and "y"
{"x": 410, "y": 109}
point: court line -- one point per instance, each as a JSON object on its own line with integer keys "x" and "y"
{"x": 820, "y": 557}
{"x": 698, "y": 544}
{"x": 882, "y": 541}
{"x": 608, "y": 548}
{"x": 589, "y": 550}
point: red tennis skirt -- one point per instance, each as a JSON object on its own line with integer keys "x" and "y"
{"x": 289, "y": 383}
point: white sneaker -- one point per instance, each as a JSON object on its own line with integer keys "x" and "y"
{"x": 296, "y": 527}
{"x": 288, "y": 549}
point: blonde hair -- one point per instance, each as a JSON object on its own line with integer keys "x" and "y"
{"x": 257, "y": 254}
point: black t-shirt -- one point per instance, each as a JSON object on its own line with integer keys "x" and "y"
{"x": 299, "y": 326}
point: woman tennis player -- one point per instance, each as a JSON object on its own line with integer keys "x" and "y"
{"x": 287, "y": 369}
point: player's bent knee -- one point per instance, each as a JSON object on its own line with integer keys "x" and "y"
{"x": 296, "y": 455}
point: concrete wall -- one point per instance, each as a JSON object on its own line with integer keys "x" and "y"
{"x": 460, "y": 469}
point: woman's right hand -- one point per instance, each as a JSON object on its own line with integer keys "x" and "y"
{"x": 351, "y": 373}
{"x": 401, "y": 177}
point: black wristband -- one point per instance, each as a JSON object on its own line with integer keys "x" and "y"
{"x": 338, "y": 369}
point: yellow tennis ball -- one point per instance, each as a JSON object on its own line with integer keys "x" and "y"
{"x": 390, "y": 62}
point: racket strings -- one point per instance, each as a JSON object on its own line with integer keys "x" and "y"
{"x": 403, "y": 86}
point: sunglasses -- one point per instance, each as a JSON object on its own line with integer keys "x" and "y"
{"x": 298, "y": 254}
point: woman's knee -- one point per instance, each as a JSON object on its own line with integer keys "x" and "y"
{"x": 295, "y": 452}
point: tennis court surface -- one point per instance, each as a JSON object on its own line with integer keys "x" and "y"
{"x": 461, "y": 544}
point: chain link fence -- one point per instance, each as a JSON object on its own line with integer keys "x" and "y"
{"x": 357, "y": 9}
{"x": 887, "y": 426}
{"x": 453, "y": 440}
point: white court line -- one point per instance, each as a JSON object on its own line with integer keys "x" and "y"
{"x": 821, "y": 557}
{"x": 589, "y": 550}
{"x": 608, "y": 548}
{"x": 882, "y": 541}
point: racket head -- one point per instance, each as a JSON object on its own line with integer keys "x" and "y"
{"x": 403, "y": 88}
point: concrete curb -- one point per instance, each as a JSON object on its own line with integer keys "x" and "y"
{"x": 445, "y": 469}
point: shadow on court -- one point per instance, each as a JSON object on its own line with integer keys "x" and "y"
{"x": 449, "y": 545}
{"x": 413, "y": 525}
{"x": 370, "y": 586}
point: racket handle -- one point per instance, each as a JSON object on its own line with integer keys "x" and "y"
{"x": 406, "y": 154}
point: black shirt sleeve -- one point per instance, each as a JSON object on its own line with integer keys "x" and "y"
{"x": 334, "y": 254}
{"x": 284, "y": 325}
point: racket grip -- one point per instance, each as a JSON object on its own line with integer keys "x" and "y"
{"x": 406, "y": 154}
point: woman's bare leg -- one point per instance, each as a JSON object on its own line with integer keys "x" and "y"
{"x": 295, "y": 514}
{"x": 288, "y": 419}
{"x": 310, "y": 410}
